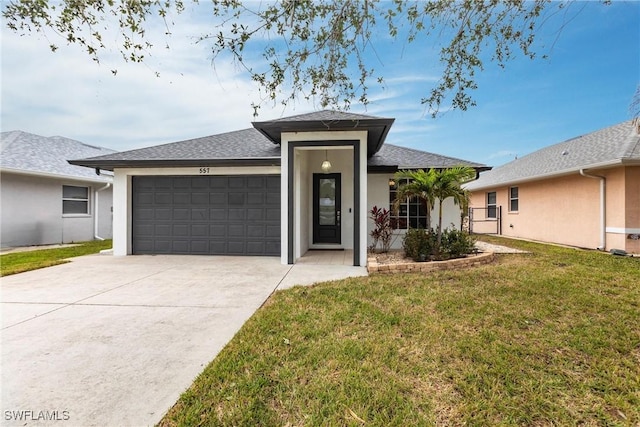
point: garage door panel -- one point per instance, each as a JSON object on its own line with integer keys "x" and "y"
{"x": 218, "y": 198}
{"x": 255, "y": 198}
{"x": 237, "y": 182}
{"x": 236, "y": 199}
{"x": 144, "y": 214}
{"x": 273, "y": 214}
{"x": 200, "y": 214}
{"x": 236, "y": 230}
{"x": 235, "y": 247}
{"x": 163, "y": 230}
{"x": 200, "y": 198}
{"x": 237, "y": 215}
{"x": 272, "y": 199}
{"x": 162, "y": 214}
{"x": 255, "y": 230}
{"x": 199, "y": 247}
{"x": 272, "y": 231}
{"x": 199, "y": 230}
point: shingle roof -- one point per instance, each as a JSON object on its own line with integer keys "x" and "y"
{"x": 409, "y": 158}
{"x": 250, "y": 144}
{"x": 254, "y": 146}
{"x": 377, "y": 127}
{"x": 618, "y": 144}
{"x": 28, "y": 153}
{"x": 325, "y": 115}
{"x": 241, "y": 144}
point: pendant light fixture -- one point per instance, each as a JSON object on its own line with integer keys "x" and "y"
{"x": 326, "y": 164}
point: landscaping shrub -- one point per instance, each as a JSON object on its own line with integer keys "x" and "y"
{"x": 419, "y": 244}
{"x": 456, "y": 243}
{"x": 422, "y": 245}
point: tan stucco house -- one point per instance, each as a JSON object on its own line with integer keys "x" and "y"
{"x": 279, "y": 188}
{"x": 582, "y": 192}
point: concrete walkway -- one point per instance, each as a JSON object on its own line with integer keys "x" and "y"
{"x": 114, "y": 341}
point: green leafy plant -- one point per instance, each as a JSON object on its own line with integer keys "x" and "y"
{"x": 383, "y": 231}
{"x": 456, "y": 243}
{"x": 419, "y": 244}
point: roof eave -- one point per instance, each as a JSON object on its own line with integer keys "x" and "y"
{"x": 564, "y": 172}
{"x": 273, "y": 130}
{"x": 104, "y": 179}
{"x": 111, "y": 164}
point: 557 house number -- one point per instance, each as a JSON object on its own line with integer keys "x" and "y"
{"x": 204, "y": 170}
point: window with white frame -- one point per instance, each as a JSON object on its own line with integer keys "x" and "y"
{"x": 75, "y": 200}
{"x": 411, "y": 212}
{"x": 492, "y": 211}
{"x": 513, "y": 199}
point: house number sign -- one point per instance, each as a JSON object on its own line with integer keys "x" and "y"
{"x": 203, "y": 171}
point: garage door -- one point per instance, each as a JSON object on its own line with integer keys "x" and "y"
{"x": 214, "y": 215}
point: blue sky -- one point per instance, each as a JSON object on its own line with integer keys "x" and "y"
{"x": 587, "y": 83}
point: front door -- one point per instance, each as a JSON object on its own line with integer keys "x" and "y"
{"x": 326, "y": 208}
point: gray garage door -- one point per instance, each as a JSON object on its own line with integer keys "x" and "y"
{"x": 215, "y": 215}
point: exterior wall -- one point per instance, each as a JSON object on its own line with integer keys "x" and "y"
{"x": 632, "y": 208}
{"x": 302, "y": 188}
{"x": 32, "y": 212}
{"x": 566, "y": 210}
{"x": 122, "y": 193}
{"x": 378, "y": 195}
{"x": 342, "y": 163}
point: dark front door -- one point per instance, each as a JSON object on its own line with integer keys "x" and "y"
{"x": 326, "y": 208}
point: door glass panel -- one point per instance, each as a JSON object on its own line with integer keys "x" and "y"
{"x": 327, "y": 202}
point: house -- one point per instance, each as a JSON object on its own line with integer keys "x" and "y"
{"x": 583, "y": 192}
{"x": 44, "y": 199}
{"x": 279, "y": 188}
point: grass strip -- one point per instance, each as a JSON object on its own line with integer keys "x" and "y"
{"x": 18, "y": 262}
{"x": 546, "y": 338}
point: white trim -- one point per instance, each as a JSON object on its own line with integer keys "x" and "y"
{"x": 195, "y": 170}
{"x": 621, "y": 230}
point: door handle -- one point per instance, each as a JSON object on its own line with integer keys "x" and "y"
{"x": 338, "y": 217}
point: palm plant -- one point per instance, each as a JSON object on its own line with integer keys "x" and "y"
{"x": 429, "y": 186}
{"x": 448, "y": 183}
{"x": 420, "y": 185}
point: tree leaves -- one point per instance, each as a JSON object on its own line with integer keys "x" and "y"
{"x": 322, "y": 51}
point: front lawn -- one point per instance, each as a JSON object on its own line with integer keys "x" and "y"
{"x": 547, "y": 338}
{"x": 19, "y": 262}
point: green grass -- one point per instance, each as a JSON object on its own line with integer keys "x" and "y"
{"x": 19, "y": 262}
{"x": 546, "y": 338}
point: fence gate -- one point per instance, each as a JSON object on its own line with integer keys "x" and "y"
{"x": 485, "y": 220}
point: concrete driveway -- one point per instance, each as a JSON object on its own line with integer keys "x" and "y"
{"x": 109, "y": 340}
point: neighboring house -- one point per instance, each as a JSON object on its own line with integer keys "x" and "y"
{"x": 266, "y": 190}
{"x": 44, "y": 199}
{"x": 583, "y": 192}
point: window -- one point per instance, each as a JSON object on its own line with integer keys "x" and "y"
{"x": 491, "y": 205}
{"x": 411, "y": 212}
{"x": 513, "y": 199}
{"x": 75, "y": 200}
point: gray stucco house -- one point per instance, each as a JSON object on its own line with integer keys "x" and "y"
{"x": 279, "y": 188}
{"x": 44, "y": 199}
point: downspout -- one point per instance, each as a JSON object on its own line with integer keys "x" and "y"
{"x": 95, "y": 218}
{"x": 603, "y": 208}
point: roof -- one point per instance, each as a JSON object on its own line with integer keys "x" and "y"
{"x": 394, "y": 157}
{"x": 242, "y": 147}
{"x": 612, "y": 146}
{"x": 377, "y": 127}
{"x": 250, "y": 147}
{"x": 27, "y": 153}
